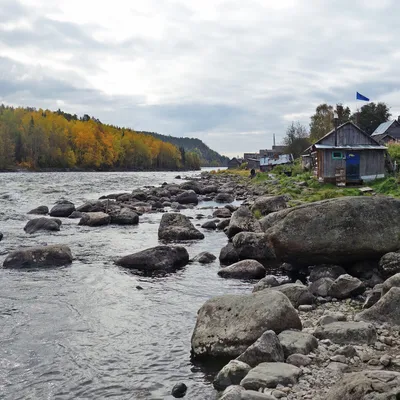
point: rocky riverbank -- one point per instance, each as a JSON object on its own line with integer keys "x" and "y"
{"x": 333, "y": 334}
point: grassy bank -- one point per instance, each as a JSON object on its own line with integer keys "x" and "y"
{"x": 303, "y": 187}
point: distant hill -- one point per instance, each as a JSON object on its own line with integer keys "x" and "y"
{"x": 208, "y": 157}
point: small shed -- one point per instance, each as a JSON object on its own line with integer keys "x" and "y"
{"x": 235, "y": 163}
{"x": 384, "y": 138}
{"x": 252, "y": 163}
{"x": 391, "y": 128}
{"x": 347, "y": 155}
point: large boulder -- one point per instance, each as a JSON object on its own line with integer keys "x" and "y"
{"x": 265, "y": 283}
{"x": 243, "y": 220}
{"x": 187, "y": 197}
{"x": 389, "y": 264}
{"x": 222, "y": 213}
{"x": 366, "y": 385}
{"x": 39, "y": 256}
{"x": 209, "y": 189}
{"x": 159, "y": 258}
{"x": 346, "y": 286}
{"x": 266, "y": 349}
{"x": 297, "y": 293}
{"x": 62, "y": 210}
{"x": 267, "y": 205}
{"x": 231, "y": 374}
{"x": 386, "y": 310}
{"x": 245, "y": 269}
{"x": 228, "y": 255}
{"x": 191, "y": 185}
{"x": 270, "y": 375}
{"x": 41, "y": 210}
{"x": 236, "y": 392}
{"x": 393, "y": 281}
{"x": 95, "y": 219}
{"x": 321, "y": 287}
{"x": 296, "y": 342}
{"x": 336, "y": 231}
{"x": 125, "y": 217}
{"x": 253, "y": 245}
{"x": 224, "y": 198}
{"x": 175, "y": 226}
{"x": 204, "y": 258}
{"x": 42, "y": 224}
{"x": 227, "y": 325}
{"x": 347, "y": 332}
{"x": 92, "y": 206}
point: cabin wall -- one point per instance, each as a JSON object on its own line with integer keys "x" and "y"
{"x": 348, "y": 135}
{"x": 330, "y": 165}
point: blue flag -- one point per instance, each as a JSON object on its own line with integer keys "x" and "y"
{"x": 361, "y": 97}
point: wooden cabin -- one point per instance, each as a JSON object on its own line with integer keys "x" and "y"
{"x": 389, "y": 128}
{"x": 347, "y": 155}
{"x": 235, "y": 163}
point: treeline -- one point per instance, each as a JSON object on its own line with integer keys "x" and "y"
{"x": 208, "y": 157}
{"x": 368, "y": 118}
{"x": 42, "y": 139}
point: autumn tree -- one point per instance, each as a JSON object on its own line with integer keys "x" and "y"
{"x": 371, "y": 115}
{"x": 296, "y": 140}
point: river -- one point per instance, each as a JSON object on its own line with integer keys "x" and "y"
{"x": 85, "y": 331}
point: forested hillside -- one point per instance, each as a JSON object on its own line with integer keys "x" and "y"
{"x": 42, "y": 139}
{"x": 208, "y": 157}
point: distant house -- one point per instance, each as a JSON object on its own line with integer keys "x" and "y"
{"x": 252, "y": 163}
{"x": 387, "y": 132}
{"x": 347, "y": 155}
{"x": 235, "y": 163}
{"x": 268, "y": 163}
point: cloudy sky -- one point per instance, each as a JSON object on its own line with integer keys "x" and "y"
{"x": 230, "y": 72}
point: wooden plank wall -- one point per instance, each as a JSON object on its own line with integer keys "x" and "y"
{"x": 372, "y": 162}
{"x": 348, "y": 135}
{"x": 330, "y": 164}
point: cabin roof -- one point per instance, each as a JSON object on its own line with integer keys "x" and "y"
{"x": 350, "y": 147}
{"x": 381, "y": 136}
{"x": 383, "y": 127}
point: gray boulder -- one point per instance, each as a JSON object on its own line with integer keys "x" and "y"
{"x": 209, "y": 225}
{"x": 224, "y": 198}
{"x": 228, "y": 255}
{"x": 62, "y": 210}
{"x": 319, "y": 232}
{"x": 209, "y": 189}
{"x": 373, "y": 296}
{"x": 270, "y": 375}
{"x": 265, "y": 283}
{"x": 41, "y": 210}
{"x": 222, "y": 213}
{"x": 326, "y": 271}
{"x": 223, "y": 224}
{"x": 125, "y": 217}
{"x": 297, "y": 293}
{"x": 95, "y": 219}
{"x": 346, "y": 286}
{"x": 321, "y": 287}
{"x": 386, "y": 310}
{"x": 389, "y": 264}
{"x": 227, "y": 325}
{"x": 204, "y": 258}
{"x": 92, "y": 206}
{"x": 367, "y": 385}
{"x": 42, "y": 224}
{"x": 231, "y": 374}
{"x": 253, "y": 245}
{"x": 236, "y": 392}
{"x": 347, "y": 333}
{"x": 76, "y": 215}
{"x": 243, "y": 220}
{"x": 39, "y": 256}
{"x": 266, "y": 349}
{"x": 299, "y": 360}
{"x": 267, "y": 205}
{"x": 175, "y": 226}
{"x": 393, "y": 281}
{"x": 187, "y": 197}
{"x": 296, "y": 342}
{"x": 159, "y": 258}
{"x": 191, "y": 185}
{"x": 245, "y": 269}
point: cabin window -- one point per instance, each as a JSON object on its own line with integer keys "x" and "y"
{"x": 337, "y": 155}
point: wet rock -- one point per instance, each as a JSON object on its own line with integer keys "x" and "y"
{"x": 251, "y": 245}
{"x": 389, "y": 264}
{"x": 393, "y": 281}
{"x": 39, "y": 256}
{"x": 95, "y": 219}
{"x": 209, "y": 225}
{"x": 297, "y": 293}
{"x": 245, "y": 269}
{"x": 125, "y": 217}
{"x": 174, "y": 226}
{"x": 321, "y": 287}
{"x": 365, "y": 385}
{"x": 224, "y": 198}
{"x": 42, "y": 224}
{"x": 270, "y": 375}
{"x": 299, "y": 360}
{"x": 265, "y": 283}
{"x": 296, "y": 342}
{"x": 319, "y": 232}
{"x": 347, "y": 333}
{"x": 243, "y": 220}
{"x": 159, "y": 258}
{"x": 346, "y": 286}
{"x": 179, "y": 390}
{"x": 236, "y": 392}
{"x": 223, "y": 224}
{"x": 178, "y": 177}
{"x": 227, "y": 325}
{"x": 187, "y": 197}
{"x": 76, "y": 215}
{"x": 231, "y": 374}
{"x": 1, "y": 236}
{"x": 41, "y": 210}
{"x": 325, "y": 271}
{"x": 222, "y": 213}
{"x": 62, "y": 210}
{"x": 268, "y": 205}
{"x": 139, "y": 195}
{"x": 386, "y": 310}
{"x": 228, "y": 255}
{"x": 191, "y": 185}
{"x": 209, "y": 189}
{"x": 92, "y": 206}
{"x": 205, "y": 258}
{"x": 266, "y": 349}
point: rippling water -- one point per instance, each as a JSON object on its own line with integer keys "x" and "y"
{"x": 85, "y": 331}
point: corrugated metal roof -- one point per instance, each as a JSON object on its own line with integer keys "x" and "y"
{"x": 381, "y": 136}
{"x": 351, "y": 147}
{"x": 382, "y": 128}
{"x": 282, "y": 159}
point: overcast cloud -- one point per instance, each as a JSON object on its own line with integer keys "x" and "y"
{"x": 229, "y": 72}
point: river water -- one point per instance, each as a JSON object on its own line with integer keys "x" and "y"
{"x": 85, "y": 331}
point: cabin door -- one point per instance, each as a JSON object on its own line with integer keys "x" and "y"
{"x": 352, "y": 166}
